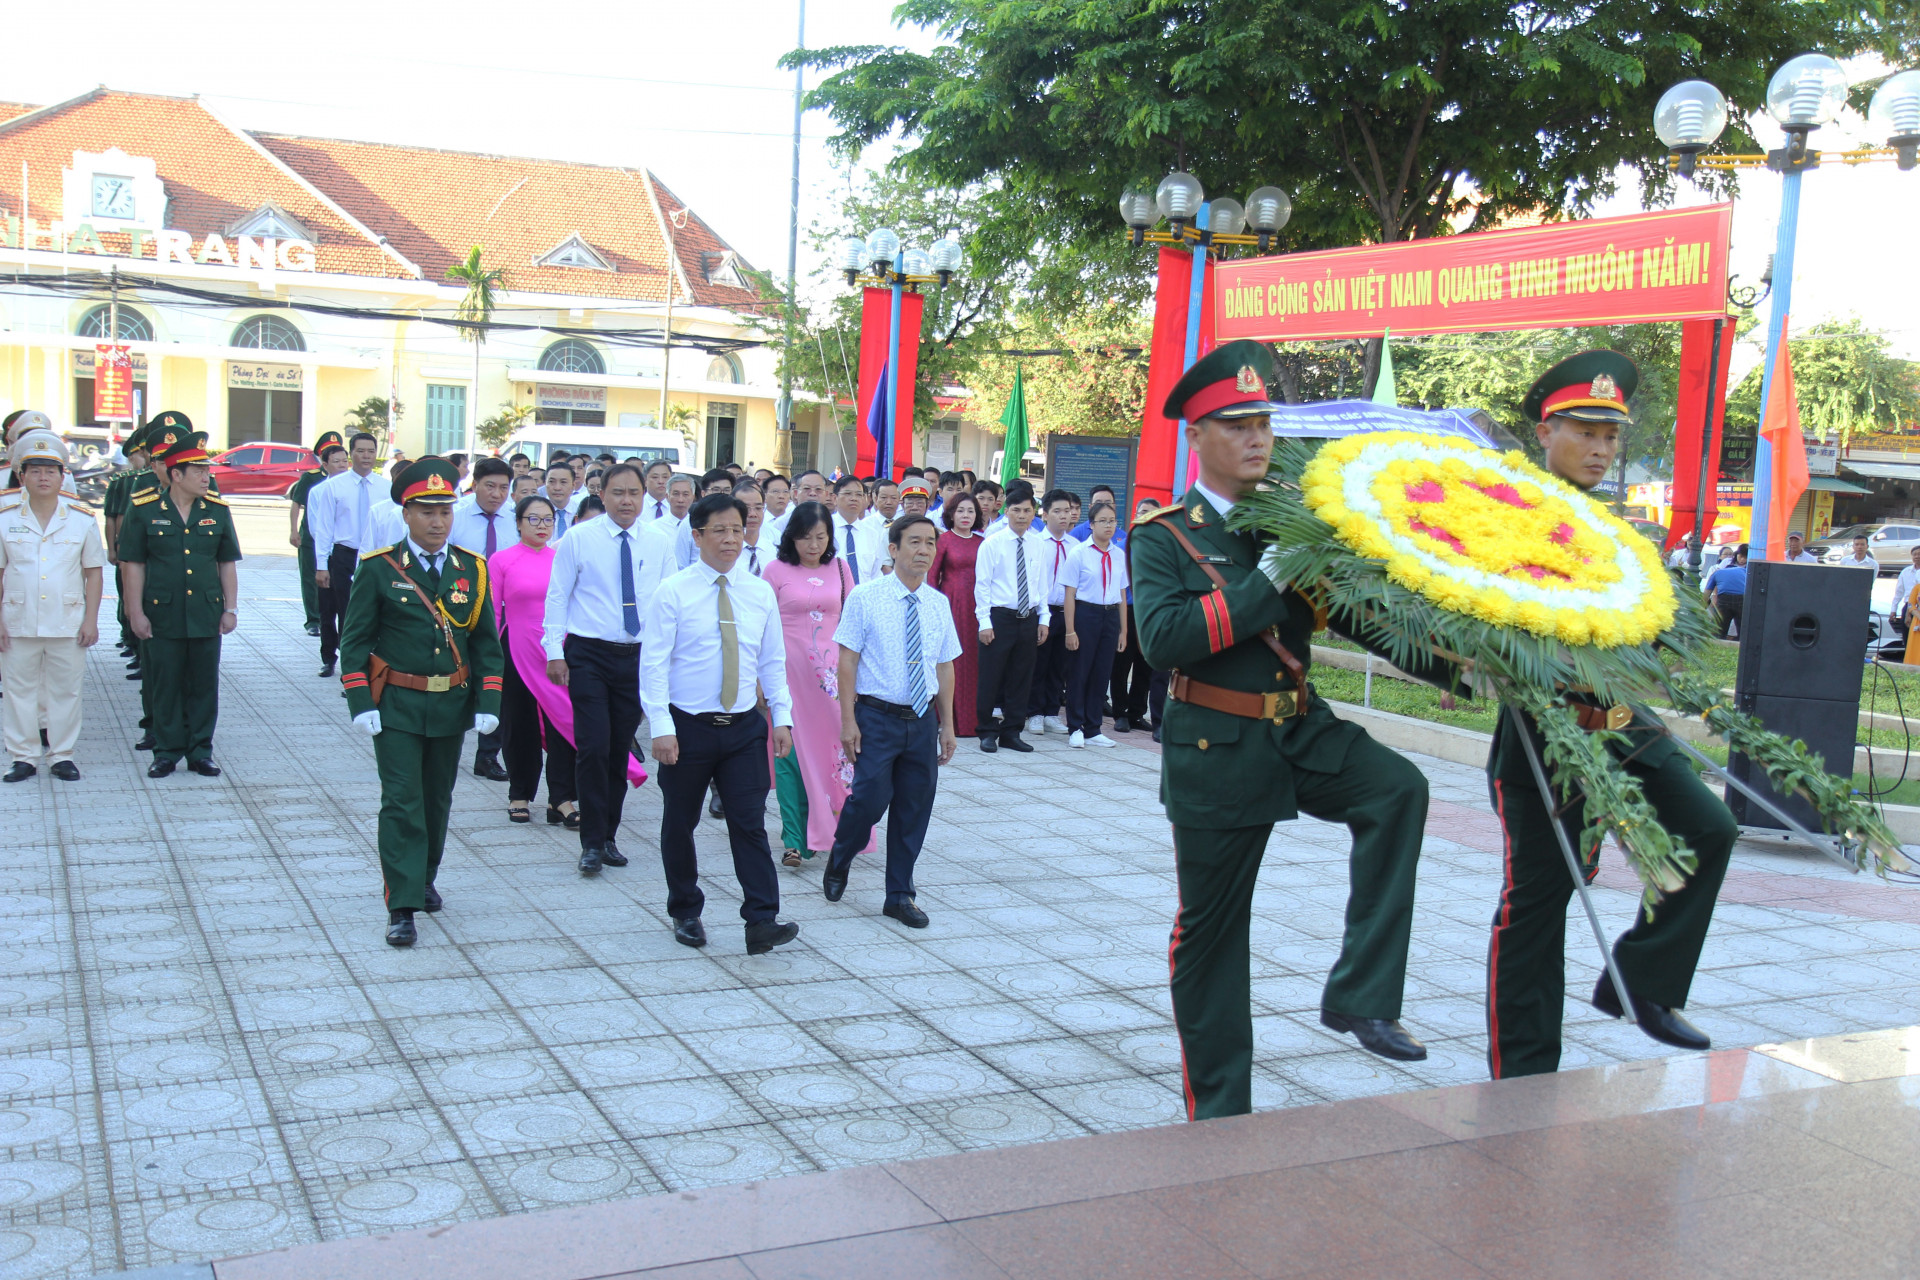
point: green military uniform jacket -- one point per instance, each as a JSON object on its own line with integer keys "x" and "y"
{"x": 298, "y": 495}
{"x": 1220, "y": 770}
{"x": 182, "y": 596}
{"x": 385, "y": 616}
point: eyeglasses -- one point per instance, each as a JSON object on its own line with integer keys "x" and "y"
{"x": 538, "y": 522}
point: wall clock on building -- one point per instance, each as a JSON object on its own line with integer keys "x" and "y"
{"x": 112, "y": 196}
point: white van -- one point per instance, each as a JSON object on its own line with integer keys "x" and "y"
{"x": 649, "y": 444}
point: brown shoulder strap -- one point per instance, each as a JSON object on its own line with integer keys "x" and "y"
{"x": 439, "y": 618}
{"x": 1280, "y": 651}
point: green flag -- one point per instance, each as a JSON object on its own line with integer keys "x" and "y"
{"x": 1384, "y": 391}
{"x": 1014, "y": 419}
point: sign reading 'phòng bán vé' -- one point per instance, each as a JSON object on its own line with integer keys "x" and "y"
{"x": 1631, "y": 270}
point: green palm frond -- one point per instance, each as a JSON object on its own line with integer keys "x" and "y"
{"x": 475, "y": 308}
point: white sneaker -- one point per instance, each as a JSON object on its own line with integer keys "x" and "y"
{"x": 1056, "y": 724}
{"x": 1036, "y": 725}
{"x": 1076, "y": 739}
{"x": 1101, "y": 740}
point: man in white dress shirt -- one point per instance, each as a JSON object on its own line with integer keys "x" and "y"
{"x": 484, "y": 524}
{"x": 761, "y": 544}
{"x": 685, "y": 551}
{"x": 778, "y": 491}
{"x": 560, "y": 492}
{"x": 1797, "y": 552}
{"x": 1047, "y": 695}
{"x": 897, "y": 646}
{"x": 714, "y": 634}
{"x": 659, "y": 476}
{"x": 1902, "y": 591}
{"x": 853, "y": 539}
{"x": 340, "y": 517}
{"x": 1011, "y": 582}
{"x": 592, "y": 640}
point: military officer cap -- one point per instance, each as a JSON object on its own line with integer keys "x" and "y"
{"x": 38, "y": 446}
{"x": 183, "y": 448}
{"x": 1593, "y": 386}
{"x": 169, "y": 418}
{"x": 136, "y": 440}
{"x": 916, "y": 485}
{"x": 327, "y": 443}
{"x": 1231, "y": 382}
{"x": 24, "y": 420}
{"x": 429, "y": 480}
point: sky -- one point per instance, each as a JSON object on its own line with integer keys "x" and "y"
{"x": 693, "y": 92}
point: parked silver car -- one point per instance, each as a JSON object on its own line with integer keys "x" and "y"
{"x": 1890, "y": 543}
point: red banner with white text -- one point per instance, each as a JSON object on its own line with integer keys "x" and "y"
{"x": 1644, "y": 267}
{"x": 876, "y": 306}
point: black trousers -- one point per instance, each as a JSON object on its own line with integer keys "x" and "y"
{"x": 1729, "y": 608}
{"x": 333, "y": 599}
{"x": 1047, "y": 693}
{"x": 603, "y": 683}
{"x": 1127, "y": 692}
{"x": 1098, "y": 627}
{"x": 526, "y": 733}
{"x": 895, "y": 777}
{"x": 1006, "y": 673}
{"x": 733, "y": 758}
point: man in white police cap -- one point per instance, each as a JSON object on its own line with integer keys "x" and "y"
{"x": 51, "y": 563}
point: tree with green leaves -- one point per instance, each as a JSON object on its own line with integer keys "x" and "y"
{"x": 474, "y": 311}
{"x": 1385, "y": 121}
{"x": 370, "y": 416}
{"x": 1846, "y": 378}
{"x": 1083, "y": 374}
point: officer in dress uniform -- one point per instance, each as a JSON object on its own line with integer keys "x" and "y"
{"x": 1247, "y": 744}
{"x": 329, "y": 442}
{"x": 178, "y": 549}
{"x": 422, "y": 664}
{"x": 115, "y": 509}
{"x": 1579, "y": 406}
{"x": 163, "y": 432}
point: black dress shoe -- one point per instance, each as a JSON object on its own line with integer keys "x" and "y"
{"x": 205, "y": 768}
{"x": 1122, "y": 725}
{"x": 714, "y": 808}
{"x": 400, "y": 929}
{"x": 136, "y": 674}
{"x": 65, "y": 770}
{"x": 989, "y": 745}
{"x": 833, "y": 881}
{"x": 326, "y": 669}
{"x": 768, "y": 934}
{"x": 590, "y": 861}
{"x": 134, "y": 665}
{"x": 690, "y": 932}
{"x": 610, "y": 855}
{"x": 1156, "y": 733}
{"x": 20, "y": 772}
{"x": 433, "y": 900}
{"x": 906, "y": 913}
{"x": 313, "y": 628}
{"x": 145, "y": 743}
{"x": 486, "y": 764}
{"x": 160, "y": 768}
{"x": 1016, "y": 743}
{"x": 1383, "y": 1036}
{"x": 1663, "y": 1024}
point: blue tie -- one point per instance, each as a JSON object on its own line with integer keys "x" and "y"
{"x": 853, "y": 560}
{"x": 916, "y": 669}
{"x": 629, "y": 608}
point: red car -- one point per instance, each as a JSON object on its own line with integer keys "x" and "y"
{"x": 260, "y": 467}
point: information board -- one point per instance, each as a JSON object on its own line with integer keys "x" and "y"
{"x": 1077, "y": 463}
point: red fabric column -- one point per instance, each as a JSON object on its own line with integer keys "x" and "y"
{"x": 1690, "y": 416}
{"x": 875, "y": 304}
{"x": 912, "y": 307}
{"x": 1160, "y": 435}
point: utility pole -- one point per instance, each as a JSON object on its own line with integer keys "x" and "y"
{"x": 783, "y": 425}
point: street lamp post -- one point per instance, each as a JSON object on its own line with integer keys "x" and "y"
{"x": 880, "y": 261}
{"x": 1204, "y": 226}
{"x": 1805, "y": 93}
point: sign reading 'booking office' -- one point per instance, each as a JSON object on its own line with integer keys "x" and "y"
{"x": 1631, "y": 270}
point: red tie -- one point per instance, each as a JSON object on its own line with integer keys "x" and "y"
{"x": 1059, "y": 553}
{"x": 1106, "y": 570}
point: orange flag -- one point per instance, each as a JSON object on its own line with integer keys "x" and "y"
{"x": 1781, "y": 429}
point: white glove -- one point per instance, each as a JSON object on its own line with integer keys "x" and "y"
{"x": 484, "y": 723}
{"x": 370, "y": 721}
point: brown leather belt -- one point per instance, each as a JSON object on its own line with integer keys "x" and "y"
{"x": 1594, "y": 719}
{"x": 429, "y": 684}
{"x": 1275, "y": 707}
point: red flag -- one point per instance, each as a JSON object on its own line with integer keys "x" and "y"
{"x": 1696, "y": 347}
{"x": 1781, "y": 429}
{"x": 1160, "y": 436}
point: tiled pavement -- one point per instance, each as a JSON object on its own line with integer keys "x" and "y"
{"x": 210, "y": 1051}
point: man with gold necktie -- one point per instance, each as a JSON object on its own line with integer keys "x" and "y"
{"x": 714, "y": 633}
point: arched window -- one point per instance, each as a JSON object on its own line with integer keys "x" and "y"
{"x": 268, "y": 333}
{"x": 570, "y": 355}
{"x": 724, "y": 368}
{"x": 133, "y": 325}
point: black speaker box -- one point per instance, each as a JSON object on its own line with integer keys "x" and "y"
{"x": 1803, "y": 633}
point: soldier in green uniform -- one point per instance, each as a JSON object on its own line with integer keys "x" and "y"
{"x": 421, "y": 661}
{"x": 331, "y": 449}
{"x": 115, "y": 509}
{"x": 1247, "y": 744}
{"x": 178, "y": 550}
{"x": 1579, "y": 406}
{"x": 162, "y": 432}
